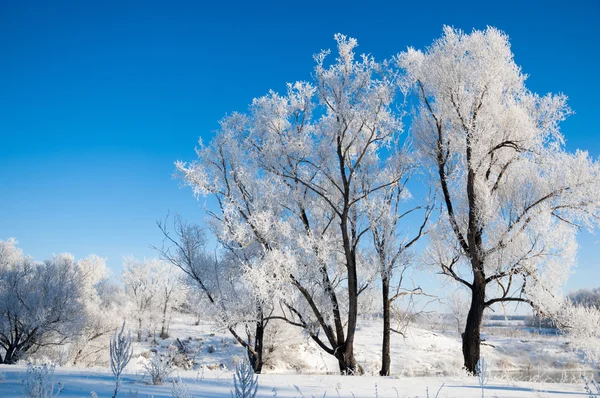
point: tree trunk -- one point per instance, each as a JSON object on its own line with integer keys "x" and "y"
{"x": 10, "y": 357}
{"x": 471, "y": 338}
{"x": 346, "y": 361}
{"x": 139, "y": 332}
{"x": 257, "y": 361}
{"x": 163, "y": 328}
{"x": 385, "y": 346}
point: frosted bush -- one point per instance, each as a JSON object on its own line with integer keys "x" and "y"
{"x": 592, "y": 388}
{"x": 120, "y": 354}
{"x": 179, "y": 389}
{"x": 159, "y": 368}
{"x": 39, "y": 382}
{"x": 244, "y": 382}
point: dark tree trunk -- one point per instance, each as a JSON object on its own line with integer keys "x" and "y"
{"x": 471, "y": 338}
{"x": 11, "y": 357}
{"x": 139, "y": 332}
{"x": 163, "y": 328}
{"x": 385, "y": 346}
{"x": 346, "y": 361}
{"x": 257, "y": 360}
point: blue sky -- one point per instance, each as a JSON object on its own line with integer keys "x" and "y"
{"x": 97, "y": 99}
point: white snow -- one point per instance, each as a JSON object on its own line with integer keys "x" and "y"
{"x": 423, "y": 360}
{"x": 80, "y": 383}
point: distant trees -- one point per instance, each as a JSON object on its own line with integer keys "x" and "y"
{"x": 387, "y": 215}
{"x": 589, "y": 298}
{"x": 459, "y": 309}
{"x": 42, "y": 304}
{"x": 513, "y": 197}
{"x": 153, "y": 287}
{"x": 171, "y": 293}
{"x": 141, "y": 286}
{"x": 89, "y": 344}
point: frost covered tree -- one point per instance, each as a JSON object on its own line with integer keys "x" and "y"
{"x": 589, "y": 298}
{"x": 120, "y": 355}
{"x": 291, "y": 178}
{"x": 142, "y": 281}
{"x": 387, "y": 213}
{"x": 41, "y": 304}
{"x": 459, "y": 307}
{"x": 219, "y": 279}
{"x": 514, "y": 198}
{"x": 171, "y": 292}
{"x": 90, "y": 343}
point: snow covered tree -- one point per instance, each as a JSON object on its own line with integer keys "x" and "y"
{"x": 387, "y": 213}
{"x": 291, "y": 178}
{"x": 89, "y": 344}
{"x": 459, "y": 307}
{"x": 40, "y": 303}
{"x": 221, "y": 281}
{"x": 120, "y": 354}
{"x": 171, "y": 292}
{"x": 589, "y": 298}
{"x": 514, "y": 198}
{"x": 142, "y": 286}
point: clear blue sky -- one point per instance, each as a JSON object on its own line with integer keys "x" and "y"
{"x": 98, "y": 98}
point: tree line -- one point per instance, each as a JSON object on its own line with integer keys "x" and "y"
{"x": 73, "y": 304}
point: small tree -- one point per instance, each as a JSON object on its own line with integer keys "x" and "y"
{"x": 171, "y": 292}
{"x": 39, "y": 382}
{"x": 459, "y": 308}
{"x": 142, "y": 284}
{"x": 221, "y": 281}
{"x": 245, "y": 384}
{"x": 120, "y": 354}
{"x": 159, "y": 368}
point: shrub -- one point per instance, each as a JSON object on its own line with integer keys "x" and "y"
{"x": 244, "y": 382}
{"x": 120, "y": 354}
{"x": 159, "y": 368}
{"x": 39, "y": 382}
{"x": 179, "y": 389}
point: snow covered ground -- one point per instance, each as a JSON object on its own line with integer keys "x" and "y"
{"x": 213, "y": 384}
{"x": 422, "y": 360}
